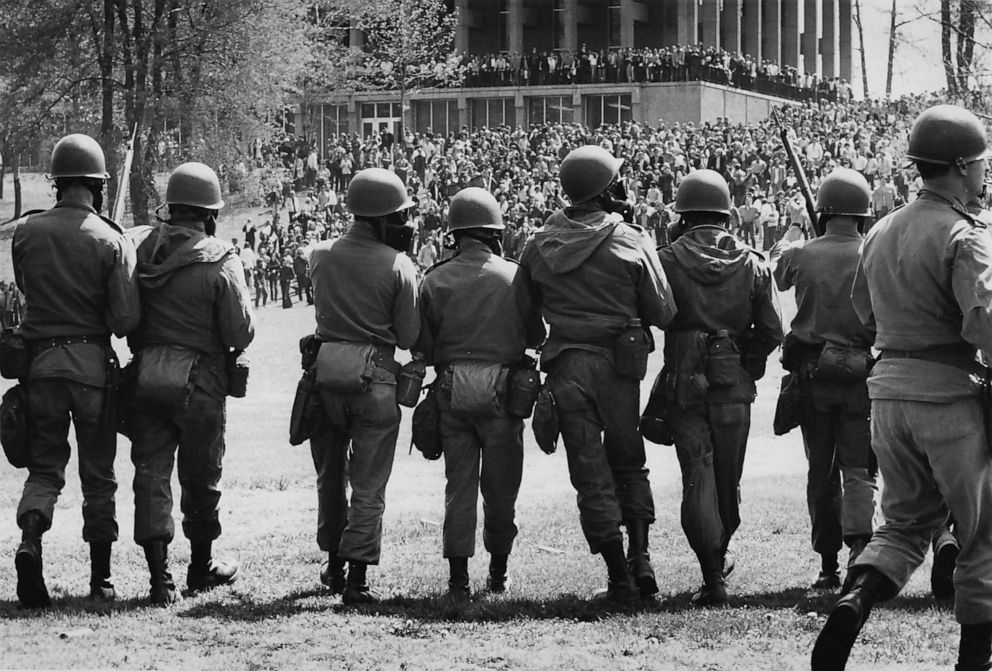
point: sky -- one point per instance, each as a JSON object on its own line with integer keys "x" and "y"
{"x": 918, "y": 60}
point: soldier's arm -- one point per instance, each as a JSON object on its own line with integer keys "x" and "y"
{"x": 234, "y": 315}
{"x": 971, "y": 281}
{"x": 861, "y": 296}
{"x": 406, "y": 316}
{"x": 425, "y": 339}
{"x": 123, "y": 302}
{"x": 766, "y": 315}
{"x": 655, "y": 301}
{"x": 529, "y": 310}
{"x": 782, "y": 258}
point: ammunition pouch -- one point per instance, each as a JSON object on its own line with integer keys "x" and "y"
{"x": 524, "y": 388}
{"x": 843, "y": 363}
{"x": 723, "y": 362}
{"x": 630, "y": 353}
{"x": 166, "y": 375}
{"x": 793, "y": 350}
{"x": 14, "y": 426}
{"x": 309, "y": 346}
{"x": 346, "y": 367}
{"x": 426, "y": 428}
{"x": 307, "y": 419}
{"x": 237, "y": 366}
{"x": 15, "y": 356}
{"x": 476, "y": 388}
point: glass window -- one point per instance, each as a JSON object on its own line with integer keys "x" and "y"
{"x": 492, "y": 112}
{"x": 368, "y": 110}
{"x": 437, "y": 116}
{"x": 613, "y": 109}
{"x": 550, "y": 109}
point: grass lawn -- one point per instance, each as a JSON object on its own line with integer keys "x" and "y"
{"x": 278, "y": 615}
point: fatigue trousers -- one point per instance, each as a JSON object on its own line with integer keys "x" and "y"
{"x": 598, "y": 414}
{"x": 196, "y": 433}
{"x": 496, "y": 444}
{"x": 357, "y": 450}
{"x": 840, "y": 485}
{"x": 51, "y": 402}
{"x": 933, "y": 459}
{"x": 710, "y": 442}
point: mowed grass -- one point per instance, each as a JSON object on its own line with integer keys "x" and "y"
{"x": 278, "y": 615}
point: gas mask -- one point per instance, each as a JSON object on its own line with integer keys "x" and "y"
{"x": 396, "y": 231}
{"x": 614, "y": 200}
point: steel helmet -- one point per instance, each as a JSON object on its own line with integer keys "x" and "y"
{"x": 376, "y": 192}
{"x": 194, "y": 184}
{"x": 78, "y": 155}
{"x": 474, "y": 207}
{"x": 844, "y": 191}
{"x": 948, "y": 135}
{"x": 587, "y": 171}
{"x": 703, "y": 191}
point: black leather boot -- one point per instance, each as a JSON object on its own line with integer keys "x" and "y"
{"x": 945, "y": 558}
{"x": 357, "y": 589}
{"x": 833, "y": 645}
{"x": 713, "y": 591}
{"x": 975, "y": 648}
{"x": 101, "y": 589}
{"x": 620, "y": 587}
{"x": 204, "y": 571}
{"x": 638, "y": 558}
{"x": 829, "y": 577}
{"x": 163, "y": 589}
{"x": 31, "y": 589}
{"x": 458, "y": 589}
{"x": 332, "y": 573}
{"x": 497, "y": 582}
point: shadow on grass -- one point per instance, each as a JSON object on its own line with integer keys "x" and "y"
{"x": 71, "y": 605}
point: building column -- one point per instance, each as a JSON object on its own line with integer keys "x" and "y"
{"x": 771, "y": 30}
{"x": 751, "y": 28}
{"x": 828, "y": 43}
{"x": 810, "y": 40}
{"x": 570, "y": 37}
{"x": 730, "y": 26}
{"x": 463, "y": 26}
{"x": 515, "y": 26}
{"x": 688, "y": 21}
{"x": 844, "y": 23}
{"x": 710, "y": 18}
{"x": 790, "y": 33}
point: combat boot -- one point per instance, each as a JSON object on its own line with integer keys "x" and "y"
{"x": 163, "y": 589}
{"x": 498, "y": 582}
{"x": 639, "y": 560}
{"x": 357, "y": 589}
{"x": 458, "y": 581}
{"x": 31, "y": 589}
{"x": 101, "y": 589}
{"x": 945, "y": 558}
{"x": 833, "y": 645}
{"x": 829, "y": 577}
{"x": 332, "y": 573}
{"x": 975, "y": 648}
{"x": 620, "y": 587}
{"x": 713, "y": 591}
{"x": 205, "y": 572}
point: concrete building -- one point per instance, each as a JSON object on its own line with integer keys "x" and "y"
{"x": 810, "y": 35}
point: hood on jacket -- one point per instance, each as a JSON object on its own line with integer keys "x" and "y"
{"x": 565, "y": 243}
{"x": 164, "y": 249}
{"x": 709, "y": 254}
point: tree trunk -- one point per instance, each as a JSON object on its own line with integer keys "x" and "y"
{"x": 892, "y": 51}
{"x": 108, "y": 138}
{"x": 15, "y": 170}
{"x": 945, "y": 48}
{"x": 966, "y": 43}
{"x": 861, "y": 43}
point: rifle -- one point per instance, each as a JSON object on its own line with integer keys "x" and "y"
{"x": 118, "y": 212}
{"x": 800, "y": 175}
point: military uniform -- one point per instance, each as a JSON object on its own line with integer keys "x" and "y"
{"x": 196, "y": 300}
{"x": 840, "y": 490}
{"x": 720, "y": 284}
{"x": 592, "y": 274}
{"x": 364, "y": 292}
{"x": 476, "y": 307}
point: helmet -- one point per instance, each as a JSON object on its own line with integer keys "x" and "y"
{"x": 473, "y": 207}
{"x": 703, "y": 191}
{"x": 587, "y": 171}
{"x": 194, "y": 184}
{"x": 844, "y": 191}
{"x": 78, "y": 155}
{"x": 376, "y": 192}
{"x": 949, "y": 135}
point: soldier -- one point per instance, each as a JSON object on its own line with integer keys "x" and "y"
{"x": 77, "y": 273}
{"x": 365, "y": 297}
{"x": 477, "y": 319}
{"x": 840, "y": 486}
{"x": 596, "y": 279}
{"x": 195, "y": 320}
{"x": 715, "y": 348}
{"x": 923, "y": 286}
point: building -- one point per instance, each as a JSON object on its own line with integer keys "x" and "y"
{"x": 812, "y": 36}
